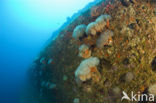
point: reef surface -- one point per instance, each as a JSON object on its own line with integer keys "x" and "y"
{"x": 108, "y": 48}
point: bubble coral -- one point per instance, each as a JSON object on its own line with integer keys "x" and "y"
{"x": 105, "y": 39}
{"x": 103, "y": 18}
{"x": 98, "y": 25}
{"x": 102, "y": 22}
{"x": 91, "y": 28}
{"x": 87, "y": 70}
{"x": 84, "y": 51}
{"x": 79, "y": 31}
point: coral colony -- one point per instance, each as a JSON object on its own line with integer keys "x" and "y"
{"x": 107, "y": 48}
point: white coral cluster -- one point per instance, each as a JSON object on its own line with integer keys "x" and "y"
{"x": 79, "y": 31}
{"x": 98, "y": 25}
{"x": 84, "y": 51}
{"x": 83, "y": 72}
{"x": 92, "y": 28}
{"x": 104, "y": 39}
{"x": 88, "y": 67}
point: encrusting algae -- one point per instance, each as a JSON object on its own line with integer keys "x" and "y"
{"x": 109, "y": 48}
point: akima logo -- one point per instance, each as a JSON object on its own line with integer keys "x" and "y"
{"x": 138, "y": 97}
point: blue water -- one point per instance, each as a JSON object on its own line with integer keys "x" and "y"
{"x": 25, "y": 26}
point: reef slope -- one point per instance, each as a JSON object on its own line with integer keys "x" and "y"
{"x": 126, "y": 59}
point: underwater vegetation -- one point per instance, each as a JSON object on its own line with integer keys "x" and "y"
{"x": 108, "y": 48}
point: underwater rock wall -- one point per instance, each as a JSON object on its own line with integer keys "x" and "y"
{"x": 125, "y": 48}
